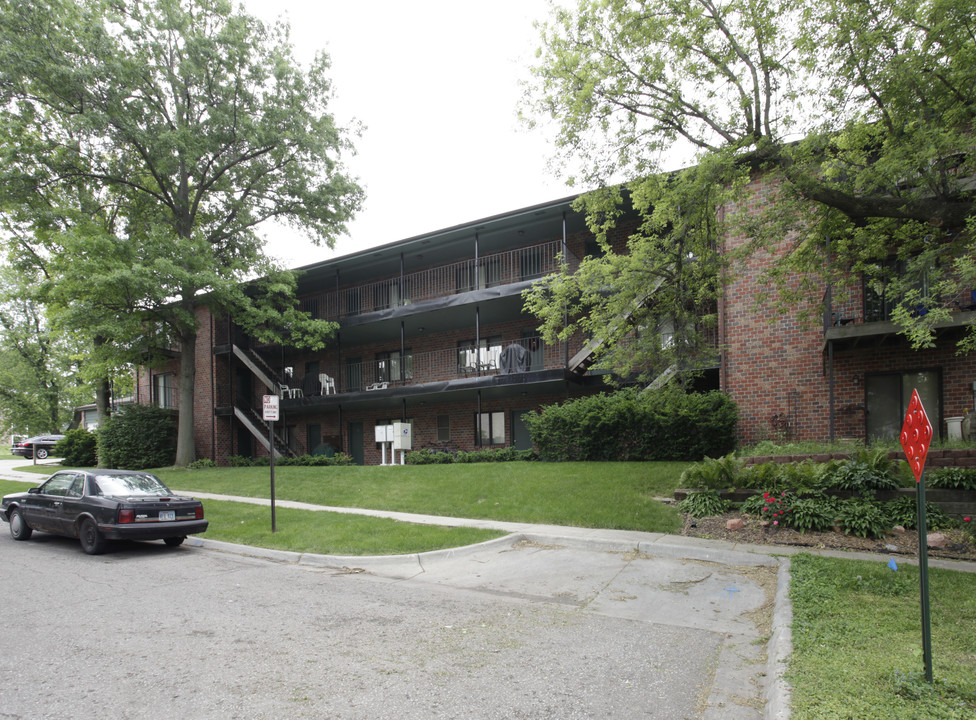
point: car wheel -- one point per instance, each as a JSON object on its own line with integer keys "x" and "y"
{"x": 92, "y": 541}
{"x": 174, "y": 541}
{"x": 42, "y": 453}
{"x": 19, "y": 529}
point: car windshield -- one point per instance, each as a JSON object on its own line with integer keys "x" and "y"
{"x": 136, "y": 484}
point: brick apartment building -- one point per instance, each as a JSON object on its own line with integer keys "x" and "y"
{"x": 433, "y": 332}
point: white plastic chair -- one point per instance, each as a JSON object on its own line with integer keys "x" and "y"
{"x": 328, "y": 384}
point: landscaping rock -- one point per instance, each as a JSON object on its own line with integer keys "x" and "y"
{"x": 936, "y": 540}
{"x": 734, "y": 524}
{"x": 898, "y": 530}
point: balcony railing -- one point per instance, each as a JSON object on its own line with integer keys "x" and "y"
{"x": 528, "y": 355}
{"x": 528, "y": 263}
{"x": 872, "y": 308}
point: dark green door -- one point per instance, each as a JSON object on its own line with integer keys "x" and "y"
{"x": 356, "y": 443}
{"x": 521, "y": 440}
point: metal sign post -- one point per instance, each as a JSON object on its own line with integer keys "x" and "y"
{"x": 270, "y": 413}
{"x": 916, "y": 436}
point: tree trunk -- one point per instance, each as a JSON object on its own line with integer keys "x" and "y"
{"x": 185, "y": 441}
{"x": 102, "y": 407}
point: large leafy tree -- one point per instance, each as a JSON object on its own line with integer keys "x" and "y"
{"x": 144, "y": 142}
{"x": 37, "y": 390}
{"x": 863, "y": 109}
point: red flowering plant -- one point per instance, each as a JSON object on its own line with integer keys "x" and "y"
{"x": 969, "y": 527}
{"x": 775, "y": 508}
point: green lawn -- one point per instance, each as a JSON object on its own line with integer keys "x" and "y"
{"x": 857, "y": 639}
{"x": 608, "y": 495}
{"x": 601, "y": 495}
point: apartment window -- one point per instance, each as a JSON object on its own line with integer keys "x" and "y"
{"x": 531, "y": 263}
{"x": 879, "y": 306}
{"x": 313, "y": 437}
{"x": 354, "y": 374}
{"x": 485, "y": 357}
{"x": 443, "y": 428}
{"x": 164, "y": 390}
{"x": 394, "y": 366}
{"x": 492, "y": 428}
{"x": 887, "y": 397}
{"x": 488, "y": 273}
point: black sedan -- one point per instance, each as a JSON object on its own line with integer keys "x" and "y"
{"x": 40, "y": 445}
{"x": 99, "y": 505}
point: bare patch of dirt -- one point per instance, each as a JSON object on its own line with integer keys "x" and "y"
{"x": 958, "y": 546}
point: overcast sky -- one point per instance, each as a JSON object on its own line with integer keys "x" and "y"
{"x": 436, "y": 85}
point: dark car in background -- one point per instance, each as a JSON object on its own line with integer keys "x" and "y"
{"x": 100, "y": 505}
{"x": 39, "y": 445}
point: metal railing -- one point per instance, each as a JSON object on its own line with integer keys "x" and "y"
{"x": 437, "y": 366}
{"x": 528, "y": 263}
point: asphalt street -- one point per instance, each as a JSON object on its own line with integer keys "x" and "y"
{"x": 551, "y": 624}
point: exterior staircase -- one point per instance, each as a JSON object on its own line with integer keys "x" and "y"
{"x": 250, "y": 418}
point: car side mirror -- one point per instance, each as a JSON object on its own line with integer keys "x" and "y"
{"x": 34, "y": 490}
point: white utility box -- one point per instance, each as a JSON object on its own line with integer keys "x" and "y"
{"x": 402, "y": 437}
{"x": 384, "y": 433}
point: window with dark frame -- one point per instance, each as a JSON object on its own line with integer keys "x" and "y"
{"x": 443, "y": 428}
{"x": 492, "y": 428}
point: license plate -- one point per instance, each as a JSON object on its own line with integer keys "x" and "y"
{"x": 167, "y": 515}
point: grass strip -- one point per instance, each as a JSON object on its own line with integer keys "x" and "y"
{"x": 326, "y": 533}
{"x": 858, "y": 642}
{"x": 331, "y": 533}
{"x": 598, "y": 495}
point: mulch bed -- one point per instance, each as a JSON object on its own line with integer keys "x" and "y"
{"x": 896, "y": 544}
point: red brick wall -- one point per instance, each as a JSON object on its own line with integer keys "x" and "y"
{"x": 773, "y": 361}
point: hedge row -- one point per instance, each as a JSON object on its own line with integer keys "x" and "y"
{"x": 631, "y": 424}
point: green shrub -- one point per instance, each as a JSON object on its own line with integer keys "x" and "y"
{"x": 864, "y": 474}
{"x": 425, "y": 456}
{"x": 138, "y": 437}
{"x": 704, "y": 503}
{"x": 632, "y": 424}
{"x": 201, "y": 464}
{"x": 79, "y": 448}
{"x": 952, "y": 478}
{"x": 753, "y": 504}
{"x": 862, "y": 517}
{"x": 811, "y": 514}
{"x": 713, "y": 473}
{"x": 300, "y": 461}
{"x": 775, "y": 507}
{"x": 904, "y": 511}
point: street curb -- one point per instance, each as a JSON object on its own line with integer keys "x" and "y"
{"x": 780, "y": 648}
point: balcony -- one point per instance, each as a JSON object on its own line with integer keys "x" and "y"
{"x": 868, "y": 318}
{"x": 513, "y": 359}
{"x": 496, "y": 270}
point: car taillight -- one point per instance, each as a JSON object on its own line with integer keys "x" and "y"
{"x": 200, "y": 513}
{"x": 127, "y": 515}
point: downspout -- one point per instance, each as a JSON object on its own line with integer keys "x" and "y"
{"x": 565, "y": 250}
{"x": 477, "y": 268}
{"x": 828, "y": 318}
{"x": 477, "y": 340}
{"x": 402, "y": 293}
{"x": 213, "y": 394}
{"x": 403, "y": 348}
{"x": 477, "y": 440}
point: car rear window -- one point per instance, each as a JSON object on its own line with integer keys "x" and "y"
{"x": 123, "y": 485}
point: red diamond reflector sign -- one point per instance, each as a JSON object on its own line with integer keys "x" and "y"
{"x": 916, "y": 435}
